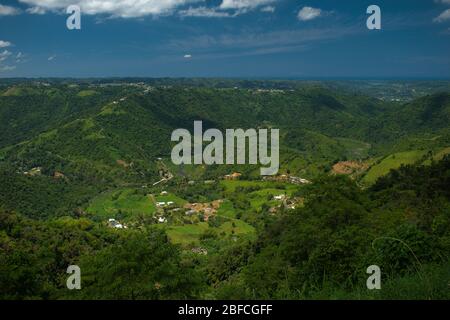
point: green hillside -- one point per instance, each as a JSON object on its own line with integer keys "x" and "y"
{"x": 393, "y": 161}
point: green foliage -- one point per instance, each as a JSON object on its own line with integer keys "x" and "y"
{"x": 132, "y": 265}
{"x": 139, "y": 266}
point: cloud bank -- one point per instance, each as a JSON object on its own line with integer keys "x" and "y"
{"x": 141, "y": 8}
{"x": 117, "y": 8}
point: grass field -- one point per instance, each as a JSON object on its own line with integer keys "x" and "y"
{"x": 189, "y": 234}
{"x": 226, "y": 209}
{"x": 86, "y": 93}
{"x": 438, "y": 155}
{"x": 260, "y": 197}
{"x": 392, "y": 161}
{"x": 231, "y": 185}
{"x": 186, "y": 234}
{"x": 171, "y": 197}
{"x": 268, "y": 189}
{"x": 240, "y": 228}
{"x": 124, "y": 202}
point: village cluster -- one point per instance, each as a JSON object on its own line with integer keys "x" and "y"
{"x": 170, "y": 211}
{"x": 204, "y": 211}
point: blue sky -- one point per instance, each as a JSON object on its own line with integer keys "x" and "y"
{"x": 225, "y": 38}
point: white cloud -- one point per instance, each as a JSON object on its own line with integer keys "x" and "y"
{"x": 36, "y": 10}
{"x": 443, "y": 1}
{"x": 256, "y": 43}
{"x": 117, "y": 8}
{"x": 244, "y": 4}
{"x": 223, "y": 11}
{"x": 309, "y": 13}
{"x": 270, "y": 9}
{"x": 4, "y": 55}
{"x": 20, "y": 57}
{"x": 7, "y": 68}
{"x": 51, "y": 58}
{"x": 187, "y": 56}
{"x": 204, "y": 12}
{"x": 8, "y": 11}
{"x": 4, "y": 44}
{"x": 444, "y": 16}
{"x": 141, "y": 8}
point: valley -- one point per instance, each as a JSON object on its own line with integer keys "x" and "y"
{"x": 87, "y": 178}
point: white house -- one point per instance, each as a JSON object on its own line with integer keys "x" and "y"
{"x": 113, "y": 223}
{"x": 190, "y": 212}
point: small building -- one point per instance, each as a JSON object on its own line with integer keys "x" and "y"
{"x": 201, "y": 251}
{"x": 58, "y": 175}
{"x": 233, "y": 176}
{"x": 297, "y": 180}
{"x": 190, "y": 212}
{"x": 273, "y": 210}
{"x": 33, "y": 172}
{"x": 162, "y": 220}
{"x": 113, "y": 223}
